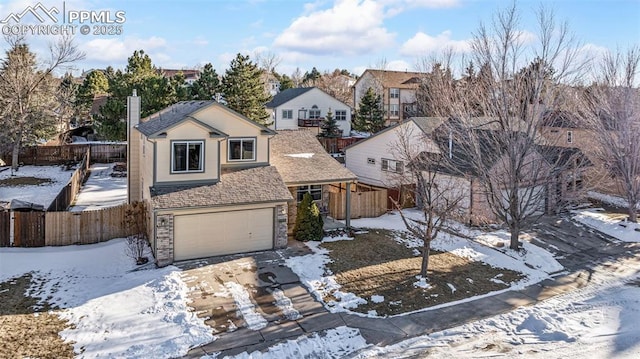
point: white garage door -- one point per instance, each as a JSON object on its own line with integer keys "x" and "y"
{"x": 212, "y": 234}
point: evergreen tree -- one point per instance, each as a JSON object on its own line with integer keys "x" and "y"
{"x": 207, "y": 86}
{"x": 370, "y": 117}
{"x": 285, "y": 81}
{"x": 310, "y": 78}
{"x": 309, "y": 224}
{"x": 96, "y": 83}
{"x": 243, "y": 90}
{"x": 330, "y": 126}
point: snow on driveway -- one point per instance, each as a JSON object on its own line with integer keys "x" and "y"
{"x": 617, "y": 228}
{"x": 42, "y": 194}
{"x": 101, "y": 190}
{"x": 116, "y": 312}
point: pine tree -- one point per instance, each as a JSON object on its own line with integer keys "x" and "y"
{"x": 330, "y": 126}
{"x": 207, "y": 86}
{"x": 309, "y": 224}
{"x": 370, "y": 117}
{"x": 96, "y": 83}
{"x": 243, "y": 90}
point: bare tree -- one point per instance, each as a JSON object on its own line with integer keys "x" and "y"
{"x": 438, "y": 196}
{"x": 504, "y": 150}
{"x": 613, "y": 111}
{"x": 28, "y": 90}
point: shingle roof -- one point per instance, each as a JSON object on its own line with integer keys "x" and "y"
{"x": 286, "y": 96}
{"x": 170, "y": 116}
{"x": 425, "y": 124}
{"x": 255, "y": 185}
{"x": 400, "y": 79}
{"x": 301, "y": 159}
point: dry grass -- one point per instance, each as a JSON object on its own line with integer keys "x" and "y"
{"x": 375, "y": 264}
{"x": 23, "y": 181}
{"x": 27, "y": 332}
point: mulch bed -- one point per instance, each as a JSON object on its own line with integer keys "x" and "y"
{"x": 28, "y": 330}
{"x": 24, "y": 181}
{"x": 375, "y": 264}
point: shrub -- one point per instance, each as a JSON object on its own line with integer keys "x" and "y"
{"x": 308, "y": 221}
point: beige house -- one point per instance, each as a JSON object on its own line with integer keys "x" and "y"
{"x": 207, "y": 176}
{"x": 397, "y": 89}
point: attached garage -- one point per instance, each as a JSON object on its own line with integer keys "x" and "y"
{"x": 212, "y": 234}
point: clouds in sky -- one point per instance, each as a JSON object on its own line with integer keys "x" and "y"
{"x": 113, "y": 50}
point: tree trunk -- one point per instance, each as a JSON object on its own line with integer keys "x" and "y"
{"x": 515, "y": 236}
{"x": 633, "y": 213}
{"x": 425, "y": 259}
{"x": 15, "y": 153}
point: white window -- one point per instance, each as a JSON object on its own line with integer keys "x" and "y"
{"x": 569, "y": 136}
{"x": 287, "y": 114}
{"x": 392, "y": 165}
{"x": 314, "y": 113}
{"x": 315, "y": 190}
{"x": 187, "y": 156}
{"x": 394, "y": 93}
{"x": 341, "y": 115}
{"x": 242, "y": 149}
{"x": 394, "y": 110}
{"x": 371, "y": 161}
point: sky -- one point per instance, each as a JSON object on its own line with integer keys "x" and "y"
{"x": 326, "y": 34}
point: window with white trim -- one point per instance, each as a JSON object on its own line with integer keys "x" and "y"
{"x": 392, "y": 165}
{"x": 315, "y": 190}
{"x": 314, "y": 112}
{"x": 287, "y": 114}
{"x": 394, "y": 93}
{"x": 394, "y": 110}
{"x": 341, "y": 115}
{"x": 242, "y": 149}
{"x": 187, "y": 156}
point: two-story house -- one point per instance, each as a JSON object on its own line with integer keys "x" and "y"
{"x": 397, "y": 90}
{"x": 215, "y": 182}
{"x": 203, "y": 170}
{"x": 307, "y": 107}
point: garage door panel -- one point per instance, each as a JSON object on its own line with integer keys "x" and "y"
{"x": 211, "y": 234}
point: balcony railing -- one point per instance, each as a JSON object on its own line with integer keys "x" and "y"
{"x": 310, "y": 122}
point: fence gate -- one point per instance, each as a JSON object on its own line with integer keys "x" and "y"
{"x": 28, "y": 229}
{"x": 5, "y": 228}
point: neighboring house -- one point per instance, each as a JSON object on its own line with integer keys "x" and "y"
{"x": 209, "y": 179}
{"x": 190, "y": 75}
{"x": 271, "y": 83}
{"x": 203, "y": 170}
{"x": 378, "y": 161}
{"x": 306, "y": 167}
{"x": 307, "y": 107}
{"x": 397, "y": 89}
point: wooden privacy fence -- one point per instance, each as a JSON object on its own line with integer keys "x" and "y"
{"x": 69, "y": 192}
{"x": 5, "y": 229}
{"x": 87, "y": 227}
{"x": 37, "y": 229}
{"x": 56, "y": 155}
{"x": 363, "y": 204}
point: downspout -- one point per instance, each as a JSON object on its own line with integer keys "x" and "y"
{"x": 348, "y": 204}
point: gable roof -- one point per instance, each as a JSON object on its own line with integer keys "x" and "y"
{"x": 254, "y": 185}
{"x": 181, "y": 111}
{"x": 426, "y": 124}
{"x": 400, "y": 79}
{"x": 301, "y": 159}
{"x": 286, "y": 96}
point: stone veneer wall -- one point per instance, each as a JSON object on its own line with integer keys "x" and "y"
{"x": 281, "y": 237}
{"x": 164, "y": 238}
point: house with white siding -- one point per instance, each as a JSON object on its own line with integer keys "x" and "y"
{"x": 301, "y": 107}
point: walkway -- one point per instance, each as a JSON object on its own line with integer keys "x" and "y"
{"x": 581, "y": 250}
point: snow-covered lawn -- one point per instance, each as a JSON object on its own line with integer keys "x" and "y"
{"x": 101, "y": 190}
{"x": 42, "y": 194}
{"x": 617, "y": 228}
{"x": 116, "y": 311}
{"x": 609, "y": 199}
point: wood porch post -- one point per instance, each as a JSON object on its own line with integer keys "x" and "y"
{"x": 348, "y": 209}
